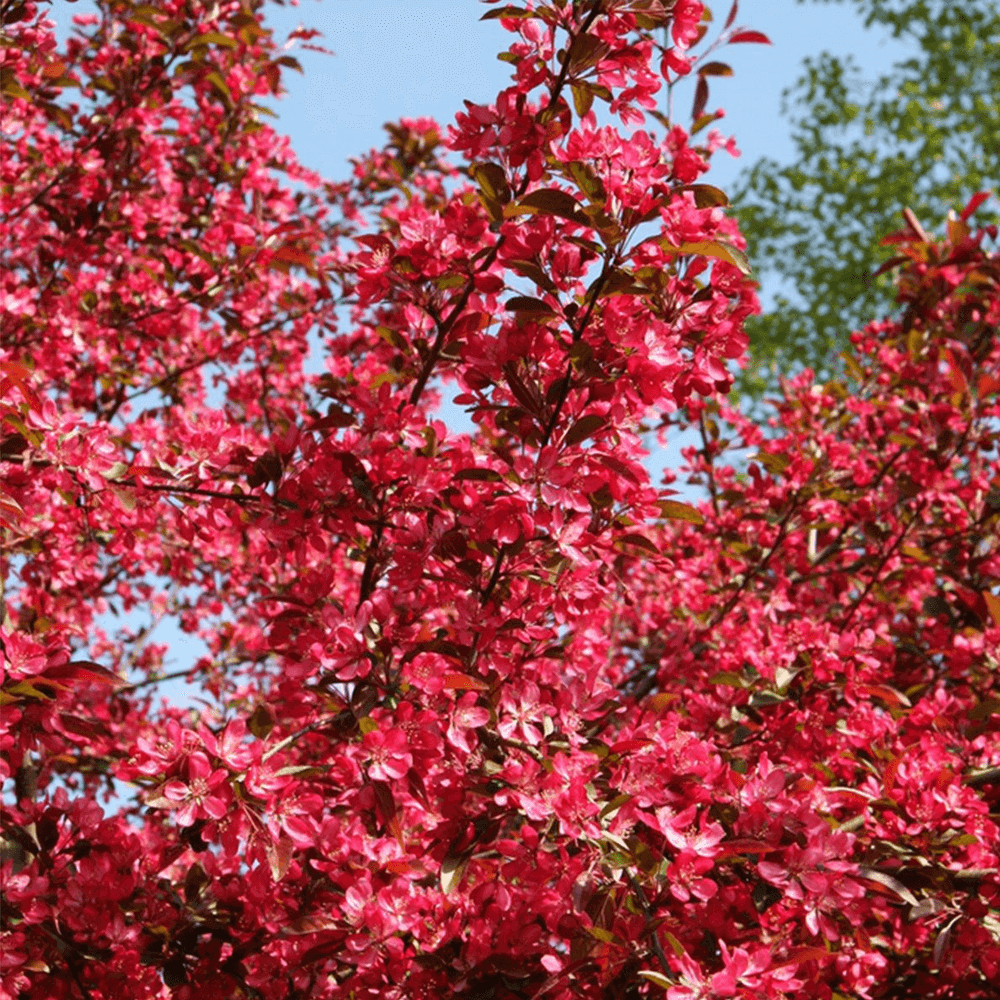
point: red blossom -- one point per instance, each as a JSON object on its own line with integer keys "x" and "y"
{"x": 388, "y": 754}
{"x": 202, "y": 793}
{"x": 488, "y": 711}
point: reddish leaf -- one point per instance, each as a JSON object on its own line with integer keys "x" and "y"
{"x": 888, "y": 885}
{"x": 388, "y": 813}
{"x": 293, "y": 255}
{"x": 83, "y": 672}
{"x": 886, "y": 693}
{"x": 799, "y": 956}
{"x": 527, "y": 304}
{"x": 974, "y": 202}
{"x": 462, "y": 682}
{"x": 993, "y": 604}
{"x": 507, "y": 11}
{"x": 700, "y": 98}
{"x": 279, "y": 856}
{"x": 751, "y": 36}
{"x": 715, "y": 69}
{"x": 705, "y": 195}
{"x": 638, "y": 541}
{"x": 584, "y": 428}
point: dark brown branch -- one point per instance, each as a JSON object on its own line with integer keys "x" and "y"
{"x": 494, "y": 578}
{"x": 567, "y": 377}
{"x": 756, "y": 570}
{"x": 893, "y": 549}
{"x": 648, "y": 913}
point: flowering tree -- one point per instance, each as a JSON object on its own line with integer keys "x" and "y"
{"x": 484, "y": 715}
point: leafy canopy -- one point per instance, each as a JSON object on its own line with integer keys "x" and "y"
{"x": 922, "y": 136}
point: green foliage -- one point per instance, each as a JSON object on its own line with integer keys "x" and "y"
{"x": 925, "y": 135}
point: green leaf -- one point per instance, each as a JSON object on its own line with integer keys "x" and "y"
{"x": 583, "y": 98}
{"x": 774, "y": 463}
{"x": 529, "y": 269}
{"x": 585, "y": 51}
{"x": 616, "y": 803}
{"x": 727, "y": 678}
{"x": 657, "y": 977}
{"x": 116, "y": 471}
{"x": 602, "y": 935}
{"x": 588, "y": 181}
{"x": 706, "y": 195}
{"x": 677, "y": 511}
{"x": 715, "y": 69}
{"x": 10, "y": 87}
{"x": 638, "y": 541}
{"x": 261, "y": 722}
{"x": 492, "y": 181}
{"x": 479, "y": 475}
{"x": 221, "y": 87}
{"x": 923, "y": 132}
{"x": 125, "y": 497}
{"x": 393, "y": 337}
{"x": 279, "y": 856}
{"x": 516, "y": 13}
{"x": 211, "y": 38}
{"x": 712, "y": 248}
{"x": 676, "y": 946}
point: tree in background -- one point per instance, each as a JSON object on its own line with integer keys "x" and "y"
{"x": 486, "y": 715}
{"x": 920, "y": 136}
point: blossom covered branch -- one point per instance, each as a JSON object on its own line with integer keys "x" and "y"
{"x": 483, "y": 714}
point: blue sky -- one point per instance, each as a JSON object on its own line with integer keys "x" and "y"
{"x": 409, "y": 58}
{"x": 396, "y": 58}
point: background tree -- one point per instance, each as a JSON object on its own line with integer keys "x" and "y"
{"x": 922, "y": 135}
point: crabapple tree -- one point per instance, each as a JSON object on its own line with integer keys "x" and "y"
{"x": 483, "y": 714}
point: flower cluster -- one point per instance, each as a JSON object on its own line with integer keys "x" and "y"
{"x": 485, "y": 714}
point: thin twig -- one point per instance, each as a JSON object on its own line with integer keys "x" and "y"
{"x": 567, "y": 377}
{"x": 648, "y": 911}
{"x": 712, "y": 489}
{"x": 149, "y": 681}
{"x": 759, "y": 568}
{"x": 289, "y": 740}
{"x": 878, "y": 569}
{"x": 494, "y": 578}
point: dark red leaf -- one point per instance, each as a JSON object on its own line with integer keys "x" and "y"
{"x": 751, "y": 36}
{"x": 700, "y": 98}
